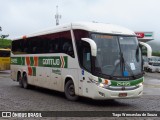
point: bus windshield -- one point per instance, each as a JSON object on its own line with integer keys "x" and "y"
{"x": 117, "y": 55}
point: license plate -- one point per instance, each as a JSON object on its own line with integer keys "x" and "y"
{"x": 122, "y": 94}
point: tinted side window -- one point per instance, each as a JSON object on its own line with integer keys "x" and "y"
{"x": 4, "y": 53}
{"x": 67, "y": 47}
{"x": 17, "y": 46}
{"x": 54, "y": 45}
{"x": 51, "y": 43}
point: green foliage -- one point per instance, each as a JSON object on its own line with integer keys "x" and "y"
{"x": 5, "y": 43}
{"x": 156, "y": 53}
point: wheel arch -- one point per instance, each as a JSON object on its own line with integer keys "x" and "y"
{"x": 69, "y": 77}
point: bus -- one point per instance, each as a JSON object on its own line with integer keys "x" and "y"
{"x": 4, "y": 59}
{"x": 95, "y": 60}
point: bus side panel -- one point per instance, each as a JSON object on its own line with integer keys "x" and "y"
{"x": 14, "y": 72}
{"x": 86, "y": 87}
{"x": 70, "y": 71}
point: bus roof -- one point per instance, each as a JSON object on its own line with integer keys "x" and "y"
{"x": 88, "y": 26}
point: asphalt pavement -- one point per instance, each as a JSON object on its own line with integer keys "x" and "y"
{"x": 15, "y": 98}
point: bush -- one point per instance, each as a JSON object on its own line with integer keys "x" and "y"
{"x": 156, "y": 53}
{"x": 5, "y": 43}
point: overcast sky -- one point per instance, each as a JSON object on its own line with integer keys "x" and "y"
{"x": 21, "y": 17}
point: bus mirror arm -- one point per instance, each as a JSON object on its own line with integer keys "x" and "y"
{"x": 92, "y": 45}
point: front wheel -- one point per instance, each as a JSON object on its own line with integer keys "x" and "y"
{"x": 70, "y": 91}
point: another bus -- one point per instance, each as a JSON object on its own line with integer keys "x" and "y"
{"x": 94, "y": 60}
{"x": 4, "y": 59}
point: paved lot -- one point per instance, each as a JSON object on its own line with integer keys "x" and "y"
{"x": 13, "y": 98}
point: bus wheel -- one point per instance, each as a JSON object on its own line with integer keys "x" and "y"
{"x": 70, "y": 91}
{"x": 150, "y": 70}
{"x": 19, "y": 78}
{"x": 25, "y": 81}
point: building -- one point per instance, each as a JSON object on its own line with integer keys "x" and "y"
{"x": 145, "y": 36}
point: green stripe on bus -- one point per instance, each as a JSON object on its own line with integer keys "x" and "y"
{"x": 126, "y": 83}
{"x": 53, "y": 61}
{"x": 66, "y": 62}
{"x": 33, "y": 71}
{"x": 31, "y": 61}
{"x": 22, "y": 60}
{"x": 17, "y": 60}
{"x": 49, "y": 62}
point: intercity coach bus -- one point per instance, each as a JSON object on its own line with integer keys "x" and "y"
{"x": 4, "y": 59}
{"x": 94, "y": 60}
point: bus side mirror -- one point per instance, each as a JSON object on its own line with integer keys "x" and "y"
{"x": 93, "y": 46}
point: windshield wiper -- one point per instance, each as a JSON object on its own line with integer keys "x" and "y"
{"x": 125, "y": 63}
{"x": 137, "y": 53}
{"x": 116, "y": 65}
{"x": 121, "y": 60}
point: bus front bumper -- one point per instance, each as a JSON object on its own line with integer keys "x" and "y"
{"x": 103, "y": 93}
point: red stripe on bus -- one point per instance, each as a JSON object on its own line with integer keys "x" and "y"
{"x": 28, "y": 61}
{"x": 29, "y": 70}
{"x": 35, "y": 61}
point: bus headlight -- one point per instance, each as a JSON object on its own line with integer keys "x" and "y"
{"x": 140, "y": 84}
{"x": 102, "y": 85}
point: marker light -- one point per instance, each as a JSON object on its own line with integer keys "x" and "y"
{"x": 106, "y": 82}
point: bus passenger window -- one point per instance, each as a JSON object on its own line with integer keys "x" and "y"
{"x": 67, "y": 47}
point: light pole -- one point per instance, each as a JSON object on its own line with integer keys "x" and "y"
{"x": 57, "y": 16}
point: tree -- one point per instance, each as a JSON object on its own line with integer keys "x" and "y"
{"x": 3, "y": 36}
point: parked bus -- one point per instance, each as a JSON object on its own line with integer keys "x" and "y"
{"x": 4, "y": 59}
{"x": 94, "y": 60}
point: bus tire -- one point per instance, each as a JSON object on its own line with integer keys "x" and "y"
{"x": 19, "y": 79}
{"x": 150, "y": 70}
{"x": 70, "y": 91}
{"x": 25, "y": 81}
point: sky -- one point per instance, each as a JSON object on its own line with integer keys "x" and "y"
{"x": 22, "y": 17}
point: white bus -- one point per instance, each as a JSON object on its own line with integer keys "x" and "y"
{"x": 94, "y": 60}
